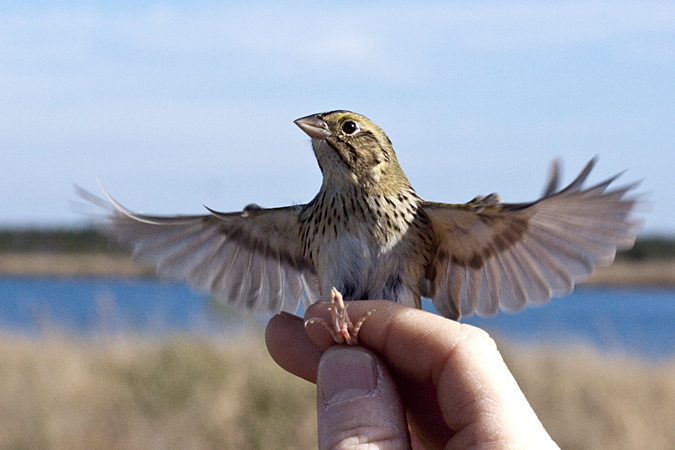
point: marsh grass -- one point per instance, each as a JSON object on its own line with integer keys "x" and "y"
{"x": 182, "y": 392}
{"x": 591, "y": 401}
{"x": 191, "y": 392}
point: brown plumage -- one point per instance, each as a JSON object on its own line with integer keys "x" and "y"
{"x": 369, "y": 234}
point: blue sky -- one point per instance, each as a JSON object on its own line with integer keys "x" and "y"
{"x": 177, "y": 104}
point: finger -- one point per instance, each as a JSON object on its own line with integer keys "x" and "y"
{"x": 409, "y": 339}
{"x": 393, "y": 332}
{"x": 357, "y": 402}
{"x": 290, "y": 347}
{"x": 457, "y": 363}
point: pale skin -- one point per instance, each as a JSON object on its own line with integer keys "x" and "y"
{"x": 416, "y": 380}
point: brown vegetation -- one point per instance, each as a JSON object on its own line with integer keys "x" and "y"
{"x": 591, "y": 401}
{"x": 187, "y": 392}
{"x": 650, "y": 272}
{"x": 73, "y": 264}
{"x": 179, "y": 393}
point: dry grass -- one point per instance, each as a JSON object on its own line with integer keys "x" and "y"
{"x": 634, "y": 273}
{"x": 180, "y": 393}
{"x": 591, "y": 401}
{"x": 651, "y": 272}
{"x": 73, "y": 264}
{"x": 187, "y": 392}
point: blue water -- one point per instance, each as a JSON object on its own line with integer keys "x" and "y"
{"x": 85, "y": 305}
{"x": 630, "y": 320}
{"x": 637, "y": 321}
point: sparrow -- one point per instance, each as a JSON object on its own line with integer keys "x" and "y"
{"x": 368, "y": 235}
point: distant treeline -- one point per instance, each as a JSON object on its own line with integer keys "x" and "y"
{"x": 57, "y": 241}
{"x": 652, "y": 247}
{"x": 93, "y": 240}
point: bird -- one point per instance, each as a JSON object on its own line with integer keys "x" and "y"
{"x": 368, "y": 235}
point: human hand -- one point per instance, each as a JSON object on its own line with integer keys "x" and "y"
{"x": 416, "y": 377}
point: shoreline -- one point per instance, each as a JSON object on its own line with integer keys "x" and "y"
{"x": 73, "y": 265}
{"x": 622, "y": 273}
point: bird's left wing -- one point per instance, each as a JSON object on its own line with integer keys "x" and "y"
{"x": 251, "y": 259}
{"x": 491, "y": 254}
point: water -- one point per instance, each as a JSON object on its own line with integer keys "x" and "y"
{"x": 630, "y": 320}
{"x": 637, "y": 321}
{"x": 89, "y": 305}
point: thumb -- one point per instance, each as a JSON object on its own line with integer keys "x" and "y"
{"x": 357, "y": 402}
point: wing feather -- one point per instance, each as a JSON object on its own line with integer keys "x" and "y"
{"x": 251, "y": 259}
{"x": 514, "y": 293}
{"x": 275, "y": 282}
{"x": 473, "y": 286}
{"x": 491, "y": 254}
{"x": 533, "y": 280}
{"x": 489, "y": 305}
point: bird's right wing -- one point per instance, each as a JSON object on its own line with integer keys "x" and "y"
{"x": 250, "y": 259}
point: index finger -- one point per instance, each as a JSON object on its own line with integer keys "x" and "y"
{"x": 415, "y": 343}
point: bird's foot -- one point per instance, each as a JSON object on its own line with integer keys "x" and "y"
{"x": 340, "y": 327}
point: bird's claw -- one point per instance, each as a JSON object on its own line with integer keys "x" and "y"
{"x": 341, "y": 327}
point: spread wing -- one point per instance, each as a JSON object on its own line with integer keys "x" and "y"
{"x": 493, "y": 254}
{"x": 251, "y": 259}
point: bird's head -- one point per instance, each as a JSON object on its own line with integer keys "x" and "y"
{"x": 351, "y": 148}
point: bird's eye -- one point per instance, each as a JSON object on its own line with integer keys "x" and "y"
{"x": 350, "y": 127}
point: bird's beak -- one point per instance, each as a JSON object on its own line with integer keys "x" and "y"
{"x": 314, "y": 127}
